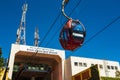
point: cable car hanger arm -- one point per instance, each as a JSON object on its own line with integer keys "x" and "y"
{"x": 63, "y": 11}
{"x": 64, "y": 2}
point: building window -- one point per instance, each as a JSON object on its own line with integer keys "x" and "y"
{"x": 85, "y": 64}
{"x": 108, "y": 67}
{"x": 116, "y": 68}
{"x": 101, "y": 66}
{"x": 76, "y": 63}
{"x": 80, "y": 63}
{"x": 92, "y": 64}
{"x": 112, "y": 67}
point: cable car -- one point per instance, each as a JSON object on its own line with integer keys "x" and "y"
{"x": 73, "y": 32}
{"x": 72, "y": 35}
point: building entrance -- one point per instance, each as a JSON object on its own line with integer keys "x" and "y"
{"x": 32, "y": 71}
{"x": 38, "y": 67}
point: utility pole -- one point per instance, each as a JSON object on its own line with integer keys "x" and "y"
{"x": 21, "y": 32}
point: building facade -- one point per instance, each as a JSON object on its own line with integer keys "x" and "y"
{"x": 74, "y": 65}
{"x": 35, "y": 63}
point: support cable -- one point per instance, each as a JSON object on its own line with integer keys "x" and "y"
{"x": 103, "y": 29}
{"x": 50, "y": 28}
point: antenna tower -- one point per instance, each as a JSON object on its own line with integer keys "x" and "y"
{"x": 21, "y": 36}
{"x": 36, "y": 37}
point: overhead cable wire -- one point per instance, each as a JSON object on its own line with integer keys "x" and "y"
{"x": 103, "y": 29}
{"x": 63, "y": 23}
{"x": 75, "y": 7}
{"x": 51, "y": 27}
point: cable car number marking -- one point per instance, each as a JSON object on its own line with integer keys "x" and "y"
{"x": 78, "y": 35}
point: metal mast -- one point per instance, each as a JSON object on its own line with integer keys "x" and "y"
{"x": 21, "y": 34}
{"x": 36, "y": 37}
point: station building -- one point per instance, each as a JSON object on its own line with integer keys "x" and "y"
{"x": 38, "y": 63}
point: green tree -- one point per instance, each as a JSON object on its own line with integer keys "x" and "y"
{"x": 1, "y": 58}
{"x": 109, "y": 78}
{"x": 117, "y": 73}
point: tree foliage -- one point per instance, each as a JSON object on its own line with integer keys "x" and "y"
{"x": 1, "y": 59}
{"x": 117, "y": 74}
{"x": 109, "y": 78}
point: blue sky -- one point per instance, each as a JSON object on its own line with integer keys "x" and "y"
{"x": 94, "y": 14}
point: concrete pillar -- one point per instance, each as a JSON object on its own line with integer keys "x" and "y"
{"x": 52, "y": 75}
{"x": 33, "y": 78}
{"x": 60, "y": 71}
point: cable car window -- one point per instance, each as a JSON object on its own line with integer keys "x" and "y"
{"x": 78, "y": 30}
{"x": 77, "y": 27}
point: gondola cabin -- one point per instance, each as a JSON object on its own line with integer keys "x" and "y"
{"x": 72, "y": 35}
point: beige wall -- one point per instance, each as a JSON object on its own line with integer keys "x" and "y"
{"x": 57, "y": 72}
{"x": 68, "y": 69}
{"x": 71, "y": 69}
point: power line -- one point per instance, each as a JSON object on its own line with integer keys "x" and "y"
{"x": 75, "y": 7}
{"x": 103, "y": 29}
{"x": 63, "y": 23}
{"x": 51, "y": 27}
